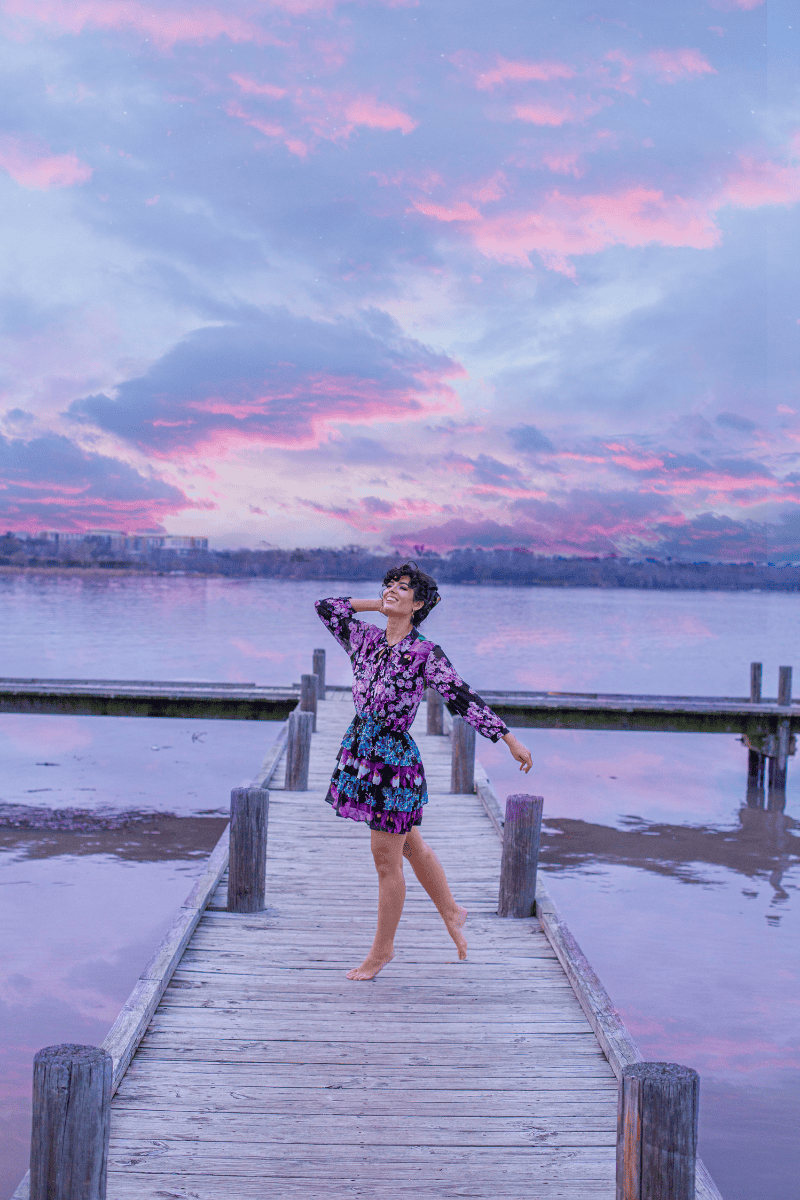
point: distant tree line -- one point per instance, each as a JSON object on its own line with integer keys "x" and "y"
{"x": 519, "y": 566}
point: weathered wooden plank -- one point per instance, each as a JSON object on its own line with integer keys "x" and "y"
{"x": 555, "y": 1049}
{"x": 257, "y": 1160}
{"x": 449, "y": 1184}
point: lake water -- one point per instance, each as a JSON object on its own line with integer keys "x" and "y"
{"x": 684, "y": 900}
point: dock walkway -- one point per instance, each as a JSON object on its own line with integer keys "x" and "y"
{"x": 265, "y": 1072}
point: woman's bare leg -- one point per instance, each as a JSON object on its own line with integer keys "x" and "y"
{"x": 430, "y": 872}
{"x": 387, "y": 851}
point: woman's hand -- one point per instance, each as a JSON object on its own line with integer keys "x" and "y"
{"x": 519, "y": 752}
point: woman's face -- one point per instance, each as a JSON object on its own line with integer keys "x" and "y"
{"x": 398, "y": 598}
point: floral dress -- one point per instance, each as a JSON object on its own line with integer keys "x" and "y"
{"x": 379, "y": 777}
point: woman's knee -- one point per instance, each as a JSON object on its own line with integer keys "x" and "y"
{"x": 415, "y": 847}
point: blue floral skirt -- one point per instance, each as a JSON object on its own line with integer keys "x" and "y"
{"x": 379, "y": 778}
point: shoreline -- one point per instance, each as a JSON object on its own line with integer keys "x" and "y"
{"x": 134, "y": 571}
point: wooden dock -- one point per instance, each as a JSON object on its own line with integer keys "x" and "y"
{"x": 264, "y": 1072}
{"x": 539, "y": 710}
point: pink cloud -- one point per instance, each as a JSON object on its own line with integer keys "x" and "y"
{"x": 735, "y": 5}
{"x": 545, "y": 113}
{"x": 564, "y": 162}
{"x": 460, "y": 211}
{"x": 31, "y": 165}
{"x": 567, "y": 225}
{"x": 522, "y": 72}
{"x": 370, "y": 513}
{"x": 329, "y": 115}
{"x": 753, "y": 183}
{"x": 162, "y": 27}
{"x": 564, "y": 225}
{"x": 370, "y": 112}
{"x": 671, "y": 65}
{"x": 254, "y": 88}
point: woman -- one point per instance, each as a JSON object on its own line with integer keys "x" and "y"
{"x": 379, "y": 776}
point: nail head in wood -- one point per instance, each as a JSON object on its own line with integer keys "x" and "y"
{"x": 298, "y": 750}
{"x": 69, "y": 1141}
{"x": 435, "y": 705}
{"x": 518, "y": 866}
{"x": 462, "y": 772}
{"x": 755, "y": 683}
{"x": 657, "y": 1132}
{"x": 248, "y": 850}
{"x": 784, "y": 685}
{"x": 309, "y": 693}
{"x": 318, "y": 669}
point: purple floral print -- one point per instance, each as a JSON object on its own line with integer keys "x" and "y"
{"x": 379, "y": 777}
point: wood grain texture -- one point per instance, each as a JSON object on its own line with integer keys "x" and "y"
{"x": 462, "y": 742}
{"x": 69, "y": 1141}
{"x": 247, "y": 866}
{"x": 318, "y": 669}
{"x": 298, "y": 750}
{"x": 521, "y": 831}
{"x": 264, "y": 1071}
{"x": 434, "y": 705}
{"x": 657, "y": 1132}
{"x": 617, "y": 1044}
{"x": 309, "y": 696}
{"x": 265, "y": 1067}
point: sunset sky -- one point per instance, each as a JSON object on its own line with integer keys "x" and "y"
{"x": 312, "y": 273}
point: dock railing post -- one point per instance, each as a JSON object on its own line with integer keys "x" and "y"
{"x": 435, "y": 705}
{"x": 462, "y": 772}
{"x": 248, "y": 850}
{"x": 298, "y": 750}
{"x": 657, "y": 1132}
{"x": 309, "y": 694}
{"x": 71, "y": 1105}
{"x": 518, "y": 866}
{"x": 776, "y": 794}
{"x": 784, "y": 685}
{"x": 755, "y": 683}
{"x": 318, "y": 668}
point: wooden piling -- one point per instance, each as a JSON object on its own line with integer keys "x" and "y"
{"x": 248, "y": 850}
{"x": 462, "y": 773}
{"x": 298, "y": 751}
{"x": 784, "y": 685}
{"x": 657, "y": 1132}
{"x": 69, "y": 1141}
{"x": 309, "y": 693}
{"x": 318, "y": 669}
{"x": 755, "y": 779}
{"x": 521, "y": 833}
{"x": 778, "y": 763}
{"x": 755, "y": 683}
{"x": 435, "y": 705}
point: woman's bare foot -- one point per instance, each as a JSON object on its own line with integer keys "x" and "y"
{"x": 455, "y": 926}
{"x": 371, "y": 965}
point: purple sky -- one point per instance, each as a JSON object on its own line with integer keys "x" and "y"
{"x": 458, "y": 273}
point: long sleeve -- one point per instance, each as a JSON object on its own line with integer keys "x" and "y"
{"x": 460, "y": 698}
{"x": 340, "y": 619}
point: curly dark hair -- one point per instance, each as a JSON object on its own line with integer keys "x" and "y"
{"x": 424, "y": 588}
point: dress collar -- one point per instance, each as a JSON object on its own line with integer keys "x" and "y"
{"x": 412, "y": 636}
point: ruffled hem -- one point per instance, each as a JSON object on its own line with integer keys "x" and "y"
{"x": 390, "y": 820}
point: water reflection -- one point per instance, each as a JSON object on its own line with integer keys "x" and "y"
{"x": 763, "y": 843}
{"x": 80, "y": 914}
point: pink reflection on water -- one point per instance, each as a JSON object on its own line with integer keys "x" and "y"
{"x": 55, "y": 734}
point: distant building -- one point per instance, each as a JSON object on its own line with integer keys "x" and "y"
{"x": 183, "y": 544}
